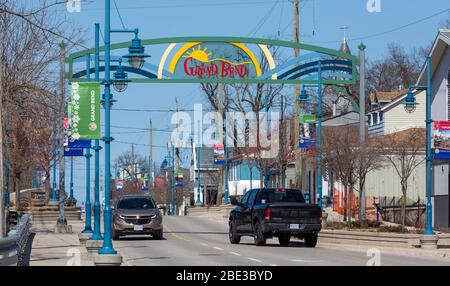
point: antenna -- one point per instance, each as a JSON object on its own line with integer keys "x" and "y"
{"x": 345, "y": 28}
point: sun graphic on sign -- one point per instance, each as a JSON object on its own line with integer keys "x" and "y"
{"x": 199, "y": 54}
{"x": 202, "y": 56}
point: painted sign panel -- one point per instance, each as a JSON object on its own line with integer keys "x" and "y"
{"x": 219, "y": 154}
{"x": 307, "y": 136}
{"x": 84, "y": 111}
{"x": 441, "y": 138}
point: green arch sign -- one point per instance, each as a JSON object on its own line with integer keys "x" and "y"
{"x": 228, "y": 60}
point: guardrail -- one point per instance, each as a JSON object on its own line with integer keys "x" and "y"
{"x": 13, "y": 244}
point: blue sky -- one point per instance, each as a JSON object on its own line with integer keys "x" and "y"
{"x": 320, "y": 22}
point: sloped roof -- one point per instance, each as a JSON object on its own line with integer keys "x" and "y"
{"x": 386, "y": 95}
{"x": 407, "y": 134}
{"x": 440, "y": 45}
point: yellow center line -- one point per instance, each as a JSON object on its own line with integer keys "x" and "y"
{"x": 174, "y": 234}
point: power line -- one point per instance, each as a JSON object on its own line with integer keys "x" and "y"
{"x": 390, "y": 30}
{"x": 120, "y": 16}
{"x": 264, "y": 19}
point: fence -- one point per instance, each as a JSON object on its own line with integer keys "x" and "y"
{"x": 14, "y": 243}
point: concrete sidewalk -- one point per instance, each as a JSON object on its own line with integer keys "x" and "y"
{"x": 57, "y": 249}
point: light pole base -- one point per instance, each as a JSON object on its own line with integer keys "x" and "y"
{"x": 93, "y": 246}
{"x": 84, "y": 237}
{"x": 53, "y": 203}
{"x": 107, "y": 259}
{"x": 324, "y": 219}
{"x": 62, "y": 226}
{"x": 429, "y": 241}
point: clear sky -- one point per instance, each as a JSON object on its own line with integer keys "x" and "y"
{"x": 320, "y": 22}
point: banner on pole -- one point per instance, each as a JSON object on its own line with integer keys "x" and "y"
{"x": 219, "y": 154}
{"x": 307, "y": 118}
{"x": 84, "y": 111}
{"x": 307, "y": 135}
{"x": 119, "y": 185}
{"x": 441, "y": 138}
{"x": 179, "y": 179}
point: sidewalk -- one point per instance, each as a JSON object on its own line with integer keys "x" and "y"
{"x": 53, "y": 249}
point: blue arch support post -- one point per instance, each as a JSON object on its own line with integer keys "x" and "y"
{"x": 87, "y": 223}
{"x": 319, "y": 138}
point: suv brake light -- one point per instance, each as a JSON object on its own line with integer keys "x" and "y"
{"x": 320, "y": 214}
{"x": 267, "y": 213}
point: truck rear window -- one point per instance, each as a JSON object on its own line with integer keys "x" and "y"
{"x": 282, "y": 196}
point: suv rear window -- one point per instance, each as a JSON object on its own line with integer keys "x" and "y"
{"x": 283, "y": 196}
{"x": 135, "y": 203}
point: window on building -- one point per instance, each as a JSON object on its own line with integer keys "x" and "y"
{"x": 381, "y": 116}
{"x": 375, "y": 118}
{"x": 369, "y": 119}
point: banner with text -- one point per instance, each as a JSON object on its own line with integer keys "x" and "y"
{"x": 84, "y": 111}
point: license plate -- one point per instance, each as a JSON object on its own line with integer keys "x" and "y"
{"x": 138, "y": 227}
{"x": 294, "y": 226}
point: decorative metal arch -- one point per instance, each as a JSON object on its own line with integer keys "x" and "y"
{"x": 338, "y": 68}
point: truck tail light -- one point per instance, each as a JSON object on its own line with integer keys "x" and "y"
{"x": 267, "y": 213}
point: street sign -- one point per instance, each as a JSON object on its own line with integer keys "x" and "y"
{"x": 219, "y": 154}
{"x": 441, "y": 139}
{"x": 119, "y": 185}
{"x": 73, "y": 152}
{"x": 84, "y": 111}
{"x": 85, "y": 144}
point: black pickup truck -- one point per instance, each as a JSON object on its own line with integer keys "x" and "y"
{"x": 282, "y": 213}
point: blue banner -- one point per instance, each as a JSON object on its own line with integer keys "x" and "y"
{"x": 441, "y": 154}
{"x": 73, "y": 152}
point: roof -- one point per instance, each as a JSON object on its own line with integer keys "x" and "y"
{"x": 386, "y": 95}
{"x": 440, "y": 45}
{"x": 407, "y": 134}
{"x": 344, "y": 48}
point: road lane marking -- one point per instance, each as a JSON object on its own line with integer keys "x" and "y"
{"x": 235, "y": 253}
{"x": 174, "y": 234}
{"x": 254, "y": 259}
{"x": 218, "y": 248}
{"x": 273, "y": 265}
{"x": 301, "y": 260}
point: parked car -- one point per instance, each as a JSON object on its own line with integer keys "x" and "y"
{"x": 281, "y": 213}
{"x": 136, "y": 215}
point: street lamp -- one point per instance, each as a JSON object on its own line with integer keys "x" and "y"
{"x": 429, "y": 239}
{"x": 120, "y": 82}
{"x": 410, "y": 102}
{"x": 136, "y": 56}
{"x": 303, "y": 95}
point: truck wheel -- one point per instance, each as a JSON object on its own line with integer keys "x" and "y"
{"x": 260, "y": 238}
{"x": 284, "y": 239}
{"x": 311, "y": 240}
{"x": 234, "y": 238}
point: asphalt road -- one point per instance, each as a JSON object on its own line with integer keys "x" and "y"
{"x": 199, "y": 241}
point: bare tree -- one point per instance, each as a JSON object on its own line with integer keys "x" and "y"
{"x": 404, "y": 150}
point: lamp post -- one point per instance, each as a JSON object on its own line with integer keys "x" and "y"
{"x": 97, "y": 232}
{"x": 136, "y": 59}
{"x": 429, "y": 239}
{"x": 53, "y": 199}
{"x": 304, "y": 98}
{"x": 198, "y": 202}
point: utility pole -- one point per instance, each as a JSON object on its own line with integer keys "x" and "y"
{"x": 150, "y": 159}
{"x": 298, "y": 156}
{"x": 133, "y": 169}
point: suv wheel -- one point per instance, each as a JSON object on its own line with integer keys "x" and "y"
{"x": 284, "y": 239}
{"x": 311, "y": 239}
{"x": 260, "y": 238}
{"x": 158, "y": 234}
{"x": 234, "y": 238}
{"x": 115, "y": 235}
